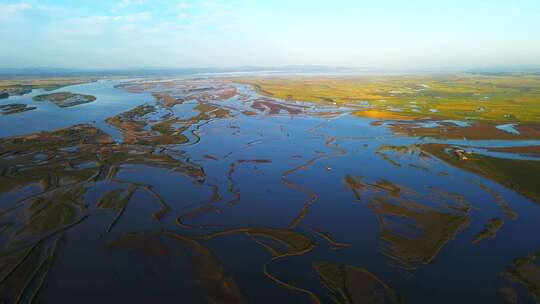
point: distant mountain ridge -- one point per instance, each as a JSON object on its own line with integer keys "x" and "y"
{"x": 49, "y": 72}
{"x": 494, "y": 71}
{"x": 292, "y": 69}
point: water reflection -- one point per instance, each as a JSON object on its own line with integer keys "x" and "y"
{"x": 211, "y": 193}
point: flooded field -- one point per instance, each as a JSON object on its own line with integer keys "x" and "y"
{"x": 210, "y": 191}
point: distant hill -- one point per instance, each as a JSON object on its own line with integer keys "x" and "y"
{"x": 58, "y": 72}
{"x": 529, "y": 70}
{"x": 290, "y": 69}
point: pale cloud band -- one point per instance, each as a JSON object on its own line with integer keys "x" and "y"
{"x": 159, "y": 33}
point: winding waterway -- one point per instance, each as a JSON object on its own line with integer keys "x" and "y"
{"x": 274, "y": 194}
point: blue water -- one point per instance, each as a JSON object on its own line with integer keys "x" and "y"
{"x": 331, "y": 148}
{"x": 48, "y": 116}
{"x": 508, "y": 128}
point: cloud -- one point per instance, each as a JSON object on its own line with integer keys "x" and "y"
{"x": 18, "y": 11}
{"x": 183, "y": 5}
{"x": 100, "y": 26}
{"x": 123, "y": 3}
{"x": 10, "y": 12}
{"x": 182, "y": 16}
{"x": 156, "y": 33}
{"x": 133, "y": 18}
{"x": 14, "y": 8}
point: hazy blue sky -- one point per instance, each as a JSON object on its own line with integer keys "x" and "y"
{"x": 387, "y": 34}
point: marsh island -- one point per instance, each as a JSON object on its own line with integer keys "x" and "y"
{"x": 65, "y": 99}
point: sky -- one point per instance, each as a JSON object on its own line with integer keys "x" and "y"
{"x": 382, "y": 34}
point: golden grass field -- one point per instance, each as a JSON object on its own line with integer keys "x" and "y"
{"x": 511, "y": 98}
{"x": 21, "y": 86}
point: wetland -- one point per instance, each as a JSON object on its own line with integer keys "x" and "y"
{"x": 267, "y": 189}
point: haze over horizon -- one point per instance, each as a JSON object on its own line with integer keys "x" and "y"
{"x": 386, "y": 34}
